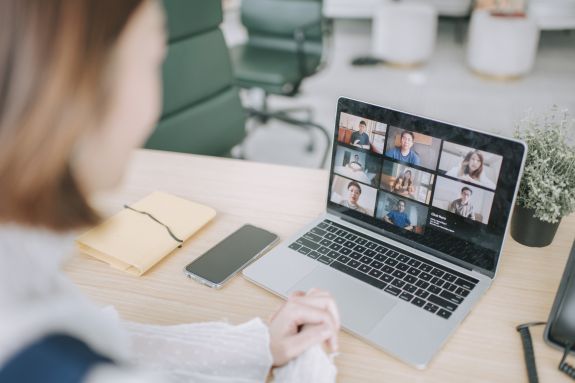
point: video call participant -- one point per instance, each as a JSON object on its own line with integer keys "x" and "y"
{"x": 360, "y": 139}
{"x": 404, "y": 184}
{"x": 398, "y": 217}
{"x": 355, "y": 165}
{"x": 463, "y": 206}
{"x": 353, "y": 193}
{"x": 471, "y": 169}
{"x": 404, "y": 152}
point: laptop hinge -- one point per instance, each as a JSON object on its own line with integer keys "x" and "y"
{"x": 402, "y": 240}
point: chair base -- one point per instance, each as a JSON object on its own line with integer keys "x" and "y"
{"x": 308, "y": 126}
{"x": 266, "y": 114}
{"x": 286, "y": 112}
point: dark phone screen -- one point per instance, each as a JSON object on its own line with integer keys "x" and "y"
{"x": 231, "y": 254}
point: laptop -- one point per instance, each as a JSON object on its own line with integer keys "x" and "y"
{"x": 416, "y": 216}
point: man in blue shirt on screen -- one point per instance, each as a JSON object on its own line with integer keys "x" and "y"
{"x": 404, "y": 152}
{"x": 398, "y": 217}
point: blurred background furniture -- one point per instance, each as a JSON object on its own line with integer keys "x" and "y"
{"x": 553, "y": 14}
{"x": 285, "y": 46}
{"x": 500, "y": 46}
{"x": 456, "y": 10}
{"x": 202, "y": 112}
{"x": 404, "y": 32}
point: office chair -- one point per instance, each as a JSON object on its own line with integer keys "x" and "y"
{"x": 286, "y": 44}
{"x": 202, "y": 112}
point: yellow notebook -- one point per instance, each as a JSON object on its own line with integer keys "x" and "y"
{"x": 139, "y": 236}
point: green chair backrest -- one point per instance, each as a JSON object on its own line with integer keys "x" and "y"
{"x": 272, "y": 23}
{"x": 202, "y": 112}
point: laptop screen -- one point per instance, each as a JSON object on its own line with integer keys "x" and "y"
{"x": 429, "y": 184}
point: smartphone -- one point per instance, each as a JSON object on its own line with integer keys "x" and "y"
{"x": 233, "y": 253}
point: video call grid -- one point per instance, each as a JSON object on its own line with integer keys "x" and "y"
{"x": 383, "y": 157}
{"x": 476, "y": 243}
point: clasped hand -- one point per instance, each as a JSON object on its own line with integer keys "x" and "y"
{"x": 306, "y": 319}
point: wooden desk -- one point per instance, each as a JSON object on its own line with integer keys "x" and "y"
{"x": 486, "y": 347}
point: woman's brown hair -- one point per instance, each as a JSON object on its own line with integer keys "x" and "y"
{"x": 56, "y": 59}
{"x": 475, "y": 174}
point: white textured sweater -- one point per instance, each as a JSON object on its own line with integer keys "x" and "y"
{"x": 37, "y": 299}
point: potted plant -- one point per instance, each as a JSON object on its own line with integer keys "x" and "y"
{"x": 547, "y": 189}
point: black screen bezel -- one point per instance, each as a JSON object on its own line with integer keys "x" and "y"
{"x": 512, "y": 151}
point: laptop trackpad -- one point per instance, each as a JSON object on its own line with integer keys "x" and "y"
{"x": 361, "y": 306}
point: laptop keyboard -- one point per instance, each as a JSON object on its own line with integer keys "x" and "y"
{"x": 425, "y": 284}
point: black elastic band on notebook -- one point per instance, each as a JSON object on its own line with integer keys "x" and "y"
{"x": 158, "y": 221}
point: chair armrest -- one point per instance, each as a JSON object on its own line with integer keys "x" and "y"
{"x": 299, "y": 36}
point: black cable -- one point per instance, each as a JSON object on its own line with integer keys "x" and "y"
{"x": 528, "y": 353}
{"x": 564, "y": 366}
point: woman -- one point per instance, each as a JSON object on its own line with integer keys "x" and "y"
{"x": 79, "y": 89}
{"x": 404, "y": 184}
{"x": 353, "y": 194}
{"x": 471, "y": 169}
